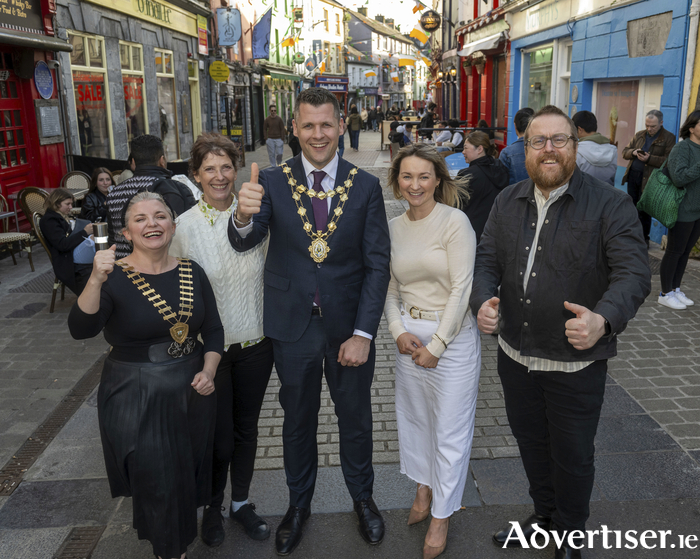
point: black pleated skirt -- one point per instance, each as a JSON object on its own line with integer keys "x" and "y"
{"x": 157, "y": 437}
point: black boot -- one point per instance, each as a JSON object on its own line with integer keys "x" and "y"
{"x": 253, "y": 525}
{"x": 527, "y": 525}
{"x": 212, "y": 526}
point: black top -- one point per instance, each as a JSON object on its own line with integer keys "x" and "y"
{"x": 57, "y": 233}
{"x": 94, "y": 207}
{"x": 488, "y": 177}
{"x": 129, "y": 319}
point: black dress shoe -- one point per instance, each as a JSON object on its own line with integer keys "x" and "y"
{"x": 371, "y": 522}
{"x": 500, "y": 538}
{"x": 289, "y": 531}
{"x": 566, "y": 552}
{"x": 212, "y": 526}
{"x": 253, "y": 525}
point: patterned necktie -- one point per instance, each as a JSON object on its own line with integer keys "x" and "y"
{"x": 320, "y": 215}
{"x": 320, "y": 206}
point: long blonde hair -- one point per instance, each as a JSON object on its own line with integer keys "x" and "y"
{"x": 451, "y": 192}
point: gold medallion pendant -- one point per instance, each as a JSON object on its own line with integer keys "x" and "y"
{"x": 319, "y": 249}
{"x": 179, "y": 332}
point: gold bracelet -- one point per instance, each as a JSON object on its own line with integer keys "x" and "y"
{"x": 439, "y": 338}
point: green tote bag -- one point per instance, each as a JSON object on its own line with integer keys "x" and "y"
{"x": 661, "y": 198}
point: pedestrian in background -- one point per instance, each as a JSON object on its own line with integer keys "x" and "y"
{"x": 94, "y": 206}
{"x": 372, "y": 119}
{"x": 684, "y": 168}
{"x": 274, "y": 133}
{"x": 596, "y": 155}
{"x": 244, "y": 370}
{"x": 486, "y": 178}
{"x": 513, "y": 156}
{"x": 379, "y": 119}
{"x": 354, "y": 127}
{"x": 560, "y": 301}
{"x": 364, "y": 116}
{"x": 438, "y": 349}
{"x": 647, "y": 150}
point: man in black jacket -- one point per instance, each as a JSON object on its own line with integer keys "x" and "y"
{"x": 151, "y": 174}
{"x": 568, "y": 253}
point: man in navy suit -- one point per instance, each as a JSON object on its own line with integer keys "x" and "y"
{"x": 326, "y": 278}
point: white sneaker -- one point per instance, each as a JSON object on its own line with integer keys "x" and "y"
{"x": 669, "y": 300}
{"x": 682, "y": 297}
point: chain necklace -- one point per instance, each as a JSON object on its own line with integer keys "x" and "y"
{"x": 319, "y": 248}
{"x": 182, "y": 345}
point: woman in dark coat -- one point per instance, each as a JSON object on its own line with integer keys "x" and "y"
{"x": 94, "y": 206}
{"x": 487, "y": 177}
{"x": 62, "y": 240}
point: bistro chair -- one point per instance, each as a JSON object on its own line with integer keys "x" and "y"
{"x": 31, "y": 199}
{"x": 8, "y": 238}
{"x": 36, "y": 219}
{"x": 75, "y": 181}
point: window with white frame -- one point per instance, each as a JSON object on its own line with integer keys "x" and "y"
{"x": 131, "y": 62}
{"x": 91, "y": 89}
{"x": 167, "y": 105}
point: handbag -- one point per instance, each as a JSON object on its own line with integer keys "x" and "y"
{"x": 661, "y": 197}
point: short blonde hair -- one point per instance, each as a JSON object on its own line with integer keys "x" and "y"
{"x": 143, "y": 197}
{"x": 451, "y": 192}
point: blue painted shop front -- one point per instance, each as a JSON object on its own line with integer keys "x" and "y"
{"x": 585, "y": 64}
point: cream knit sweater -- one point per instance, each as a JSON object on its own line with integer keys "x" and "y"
{"x": 235, "y": 277}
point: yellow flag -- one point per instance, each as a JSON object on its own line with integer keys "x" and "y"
{"x": 418, "y": 33}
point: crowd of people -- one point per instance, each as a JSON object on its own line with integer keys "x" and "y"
{"x": 199, "y": 296}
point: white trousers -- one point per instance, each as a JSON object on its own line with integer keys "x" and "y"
{"x": 435, "y": 411}
{"x": 275, "y": 150}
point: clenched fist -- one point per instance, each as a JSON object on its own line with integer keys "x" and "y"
{"x": 250, "y": 197}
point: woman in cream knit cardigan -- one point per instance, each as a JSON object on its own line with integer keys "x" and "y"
{"x": 438, "y": 356}
{"x": 244, "y": 370}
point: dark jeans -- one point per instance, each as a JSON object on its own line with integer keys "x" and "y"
{"x": 634, "y": 189}
{"x": 300, "y": 366}
{"x": 681, "y": 240}
{"x": 355, "y": 139}
{"x": 82, "y": 275}
{"x": 554, "y": 417}
{"x": 241, "y": 380}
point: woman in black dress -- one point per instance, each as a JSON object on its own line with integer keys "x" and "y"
{"x": 94, "y": 206}
{"x": 156, "y": 400}
{"x": 57, "y": 229}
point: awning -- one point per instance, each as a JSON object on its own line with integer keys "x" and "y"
{"x": 487, "y": 43}
{"x": 279, "y": 76}
{"x": 33, "y": 41}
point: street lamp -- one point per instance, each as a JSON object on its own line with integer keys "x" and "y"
{"x": 440, "y": 75}
{"x": 453, "y": 73}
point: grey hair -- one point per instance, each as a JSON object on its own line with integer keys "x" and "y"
{"x": 143, "y": 197}
{"x": 658, "y": 114}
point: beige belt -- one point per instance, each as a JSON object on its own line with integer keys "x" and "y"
{"x": 417, "y": 313}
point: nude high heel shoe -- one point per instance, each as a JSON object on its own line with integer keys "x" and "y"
{"x": 415, "y": 516}
{"x": 431, "y": 552}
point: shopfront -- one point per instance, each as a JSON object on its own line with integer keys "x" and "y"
{"x": 483, "y": 66}
{"x": 336, "y": 85}
{"x": 145, "y": 76}
{"x": 32, "y": 122}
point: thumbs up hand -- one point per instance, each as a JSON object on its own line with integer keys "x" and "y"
{"x": 585, "y": 329}
{"x": 250, "y": 196}
{"x": 487, "y": 318}
{"x": 103, "y": 264}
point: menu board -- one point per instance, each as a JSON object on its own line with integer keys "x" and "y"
{"x": 21, "y": 13}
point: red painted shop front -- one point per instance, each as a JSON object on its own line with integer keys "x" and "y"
{"x": 23, "y": 160}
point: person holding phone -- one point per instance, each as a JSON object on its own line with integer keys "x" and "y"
{"x": 646, "y": 151}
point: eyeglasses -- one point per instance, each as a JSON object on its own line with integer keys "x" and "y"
{"x": 558, "y": 141}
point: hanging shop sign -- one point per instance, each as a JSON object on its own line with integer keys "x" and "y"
{"x": 310, "y": 64}
{"x": 22, "y": 15}
{"x": 43, "y": 80}
{"x": 299, "y": 58}
{"x": 218, "y": 71}
{"x": 430, "y": 20}
{"x": 298, "y": 15}
{"x": 229, "y": 20}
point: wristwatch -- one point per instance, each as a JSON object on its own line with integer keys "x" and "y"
{"x": 608, "y": 328}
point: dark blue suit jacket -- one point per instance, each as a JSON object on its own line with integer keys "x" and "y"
{"x": 354, "y": 277}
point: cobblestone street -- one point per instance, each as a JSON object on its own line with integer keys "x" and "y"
{"x": 647, "y": 460}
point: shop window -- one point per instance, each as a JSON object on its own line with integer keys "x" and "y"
{"x": 193, "y": 76}
{"x": 91, "y": 90}
{"x": 167, "y": 105}
{"x": 564, "y": 49}
{"x": 135, "y": 109}
{"x": 537, "y": 77}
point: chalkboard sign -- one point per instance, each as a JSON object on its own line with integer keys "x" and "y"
{"x": 22, "y": 14}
